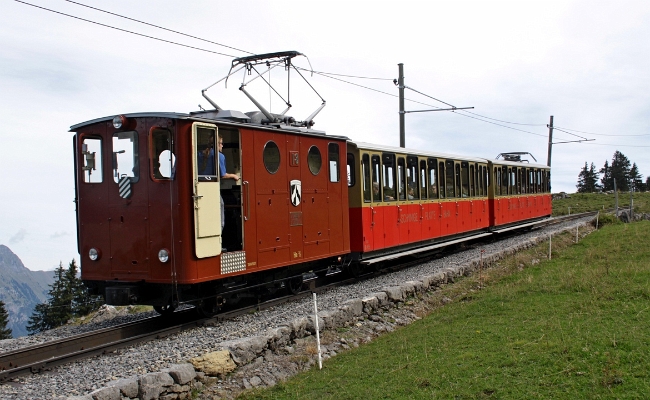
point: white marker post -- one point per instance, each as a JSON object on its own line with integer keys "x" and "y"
{"x": 576, "y": 233}
{"x": 598, "y": 215}
{"x": 550, "y": 237}
{"x": 320, "y": 359}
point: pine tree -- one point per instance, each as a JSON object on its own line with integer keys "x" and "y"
{"x": 68, "y": 297}
{"x": 588, "y": 179}
{"x": 5, "y": 333}
{"x": 606, "y": 180}
{"x": 636, "y": 179}
{"x": 38, "y": 322}
{"x": 60, "y": 299}
{"x": 82, "y": 303}
{"x": 620, "y": 169}
{"x": 593, "y": 178}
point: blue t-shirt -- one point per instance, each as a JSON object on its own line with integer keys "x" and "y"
{"x": 222, "y": 165}
{"x": 206, "y": 163}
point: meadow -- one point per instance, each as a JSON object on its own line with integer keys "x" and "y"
{"x": 571, "y": 327}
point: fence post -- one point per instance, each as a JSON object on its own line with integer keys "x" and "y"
{"x": 550, "y": 237}
{"x": 576, "y": 233}
{"x": 597, "y": 215}
{"x": 320, "y": 359}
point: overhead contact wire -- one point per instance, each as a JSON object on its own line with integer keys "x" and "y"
{"x": 125, "y": 30}
{"x": 157, "y": 26}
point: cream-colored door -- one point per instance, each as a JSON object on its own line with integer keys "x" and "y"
{"x": 206, "y": 193}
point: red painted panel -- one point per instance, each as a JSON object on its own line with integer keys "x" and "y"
{"x": 431, "y": 221}
{"x": 391, "y": 229}
{"x": 315, "y": 207}
{"x": 377, "y": 225}
{"x": 448, "y": 218}
{"x": 271, "y": 203}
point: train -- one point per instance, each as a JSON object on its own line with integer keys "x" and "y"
{"x": 158, "y": 222}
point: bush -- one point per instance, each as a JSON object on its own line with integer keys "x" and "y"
{"x": 605, "y": 219}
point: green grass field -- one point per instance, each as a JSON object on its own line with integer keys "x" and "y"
{"x": 571, "y": 328}
{"x": 583, "y": 202}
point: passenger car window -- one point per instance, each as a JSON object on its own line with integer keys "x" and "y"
{"x": 365, "y": 169}
{"x": 271, "y": 157}
{"x": 91, "y": 151}
{"x": 125, "y": 156}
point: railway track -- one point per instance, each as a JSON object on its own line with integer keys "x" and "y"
{"x": 45, "y": 356}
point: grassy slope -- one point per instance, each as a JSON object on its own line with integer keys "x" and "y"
{"x": 573, "y": 327}
{"x": 582, "y": 202}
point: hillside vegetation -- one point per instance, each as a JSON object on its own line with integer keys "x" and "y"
{"x": 583, "y": 202}
{"x": 572, "y": 327}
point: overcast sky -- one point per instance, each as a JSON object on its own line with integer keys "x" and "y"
{"x": 585, "y": 62}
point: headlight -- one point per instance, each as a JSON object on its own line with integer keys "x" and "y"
{"x": 93, "y": 254}
{"x": 119, "y": 121}
{"x": 163, "y": 255}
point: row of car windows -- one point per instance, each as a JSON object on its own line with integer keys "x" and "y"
{"x": 125, "y": 156}
{"x": 390, "y": 177}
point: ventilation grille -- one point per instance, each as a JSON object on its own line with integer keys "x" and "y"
{"x": 233, "y": 261}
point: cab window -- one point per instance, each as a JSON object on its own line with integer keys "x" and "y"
{"x": 125, "y": 156}
{"x": 162, "y": 158}
{"x": 91, "y": 151}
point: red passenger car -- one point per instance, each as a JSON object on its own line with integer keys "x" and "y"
{"x": 518, "y": 192}
{"x": 404, "y": 198}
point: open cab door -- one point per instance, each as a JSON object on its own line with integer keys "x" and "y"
{"x": 206, "y": 190}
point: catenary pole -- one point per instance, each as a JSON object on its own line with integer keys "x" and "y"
{"x": 550, "y": 142}
{"x": 400, "y": 83}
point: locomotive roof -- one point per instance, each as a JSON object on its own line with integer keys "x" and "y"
{"x": 392, "y": 149}
{"x": 220, "y": 121}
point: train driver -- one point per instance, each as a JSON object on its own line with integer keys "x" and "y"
{"x": 224, "y": 175}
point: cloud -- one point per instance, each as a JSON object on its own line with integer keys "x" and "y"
{"x": 56, "y": 235}
{"x": 18, "y": 237}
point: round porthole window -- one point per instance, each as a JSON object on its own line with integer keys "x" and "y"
{"x": 314, "y": 160}
{"x": 271, "y": 157}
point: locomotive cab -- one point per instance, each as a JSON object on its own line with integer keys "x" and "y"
{"x": 137, "y": 177}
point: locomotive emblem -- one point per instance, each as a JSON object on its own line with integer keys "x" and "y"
{"x": 125, "y": 187}
{"x": 296, "y": 192}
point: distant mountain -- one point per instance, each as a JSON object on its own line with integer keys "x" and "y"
{"x": 21, "y": 289}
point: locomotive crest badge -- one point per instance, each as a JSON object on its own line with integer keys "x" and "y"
{"x": 295, "y": 192}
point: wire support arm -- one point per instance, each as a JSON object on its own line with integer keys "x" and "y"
{"x": 438, "y": 109}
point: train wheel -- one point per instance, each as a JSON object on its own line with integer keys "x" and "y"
{"x": 294, "y": 284}
{"x": 207, "y": 308}
{"x": 354, "y": 270}
{"x": 164, "y": 310}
